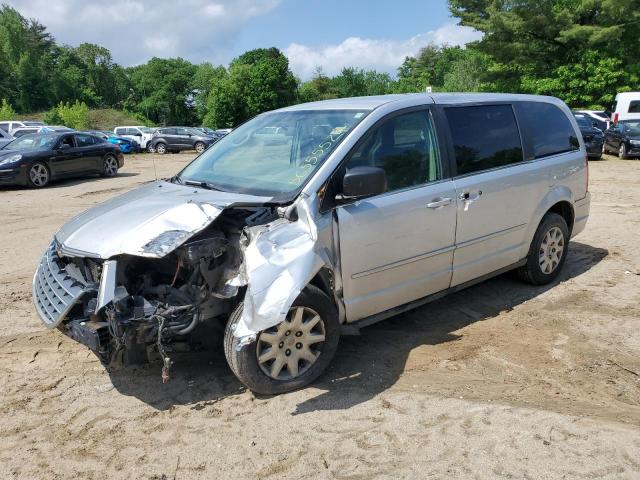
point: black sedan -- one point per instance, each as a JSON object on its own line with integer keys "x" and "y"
{"x": 175, "y": 139}
{"x": 592, "y": 136}
{"x": 37, "y": 159}
{"x": 623, "y": 138}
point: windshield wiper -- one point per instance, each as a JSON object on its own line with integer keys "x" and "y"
{"x": 197, "y": 183}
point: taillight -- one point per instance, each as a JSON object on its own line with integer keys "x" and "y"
{"x": 615, "y": 117}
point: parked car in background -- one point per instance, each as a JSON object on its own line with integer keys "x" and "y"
{"x": 126, "y": 145}
{"x": 176, "y": 139}
{"x": 599, "y": 118}
{"x": 36, "y": 159}
{"x": 10, "y": 126}
{"x": 4, "y": 138}
{"x": 424, "y": 195}
{"x": 623, "y": 138}
{"x": 593, "y": 137}
{"x": 626, "y": 107}
{"x": 19, "y": 132}
{"x": 223, "y": 131}
{"x": 140, "y": 134}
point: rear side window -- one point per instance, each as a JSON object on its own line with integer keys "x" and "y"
{"x": 4, "y": 126}
{"x": 634, "y": 106}
{"x": 484, "y": 137}
{"x": 85, "y": 140}
{"x": 547, "y": 129}
{"x": 121, "y": 131}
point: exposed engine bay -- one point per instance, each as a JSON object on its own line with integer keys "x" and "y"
{"x": 136, "y": 309}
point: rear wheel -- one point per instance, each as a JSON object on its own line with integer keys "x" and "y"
{"x": 293, "y": 353}
{"x": 622, "y": 151}
{"x": 200, "y": 147}
{"x": 109, "y": 166}
{"x": 548, "y": 251}
{"x": 39, "y": 175}
{"x": 161, "y": 148}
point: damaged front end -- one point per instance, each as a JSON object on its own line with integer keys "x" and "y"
{"x": 132, "y": 309}
{"x": 136, "y": 308}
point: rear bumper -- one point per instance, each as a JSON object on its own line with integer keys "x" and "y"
{"x": 581, "y": 210}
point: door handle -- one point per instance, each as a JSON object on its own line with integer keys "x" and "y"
{"x": 468, "y": 198}
{"x": 439, "y": 202}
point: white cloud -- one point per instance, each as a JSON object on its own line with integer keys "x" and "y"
{"x": 135, "y": 30}
{"x": 381, "y": 55}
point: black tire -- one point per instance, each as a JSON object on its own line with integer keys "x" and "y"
{"x": 161, "y": 148}
{"x": 532, "y": 272}
{"x": 150, "y": 148}
{"x": 40, "y": 179}
{"x": 622, "y": 151}
{"x": 108, "y": 166}
{"x": 596, "y": 157}
{"x": 200, "y": 147}
{"x": 244, "y": 361}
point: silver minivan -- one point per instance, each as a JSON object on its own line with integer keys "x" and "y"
{"x": 367, "y": 207}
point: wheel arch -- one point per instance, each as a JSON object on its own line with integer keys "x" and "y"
{"x": 558, "y": 200}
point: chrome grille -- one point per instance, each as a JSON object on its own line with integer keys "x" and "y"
{"x": 54, "y": 291}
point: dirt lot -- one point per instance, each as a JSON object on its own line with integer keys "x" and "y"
{"x": 500, "y": 381}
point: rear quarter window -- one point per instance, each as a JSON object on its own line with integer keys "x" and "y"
{"x": 634, "y": 106}
{"x": 547, "y": 130}
{"x": 484, "y": 137}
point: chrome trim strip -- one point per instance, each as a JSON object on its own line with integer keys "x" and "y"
{"x": 401, "y": 263}
{"x": 490, "y": 236}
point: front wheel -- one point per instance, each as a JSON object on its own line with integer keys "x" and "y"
{"x": 548, "y": 251}
{"x": 150, "y": 148}
{"x": 109, "y": 166}
{"x": 200, "y": 147}
{"x": 290, "y": 355}
{"x": 39, "y": 176}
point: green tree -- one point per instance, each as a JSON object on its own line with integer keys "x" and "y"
{"x": 205, "y": 78}
{"x": 75, "y": 115}
{"x": 534, "y": 45}
{"x": 6, "y": 110}
{"x": 162, "y": 90}
{"x": 466, "y": 73}
{"x": 257, "y": 81}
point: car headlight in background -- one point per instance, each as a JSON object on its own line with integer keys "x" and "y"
{"x": 633, "y": 142}
{"x": 11, "y": 159}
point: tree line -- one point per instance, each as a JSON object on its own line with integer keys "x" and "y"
{"x": 583, "y": 51}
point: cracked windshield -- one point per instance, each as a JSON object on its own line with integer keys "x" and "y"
{"x": 272, "y": 154}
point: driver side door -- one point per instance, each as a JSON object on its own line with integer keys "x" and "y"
{"x": 397, "y": 247}
{"x": 64, "y": 160}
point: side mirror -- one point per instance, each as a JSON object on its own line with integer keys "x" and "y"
{"x": 361, "y": 182}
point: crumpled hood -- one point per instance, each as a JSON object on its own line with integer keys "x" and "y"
{"x": 150, "y": 221}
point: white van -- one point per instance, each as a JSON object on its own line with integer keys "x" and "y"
{"x": 627, "y": 107}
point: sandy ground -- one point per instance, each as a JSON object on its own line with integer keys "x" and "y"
{"x": 500, "y": 381}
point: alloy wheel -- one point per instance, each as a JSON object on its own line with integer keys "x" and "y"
{"x": 200, "y": 147}
{"x": 161, "y": 148}
{"x": 110, "y": 166}
{"x": 623, "y": 151}
{"x": 289, "y": 349}
{"x": 551, "y": 250}
{"x": 39, "y": 175}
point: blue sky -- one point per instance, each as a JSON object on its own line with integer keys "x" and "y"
{"x": 374, "y": 34}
